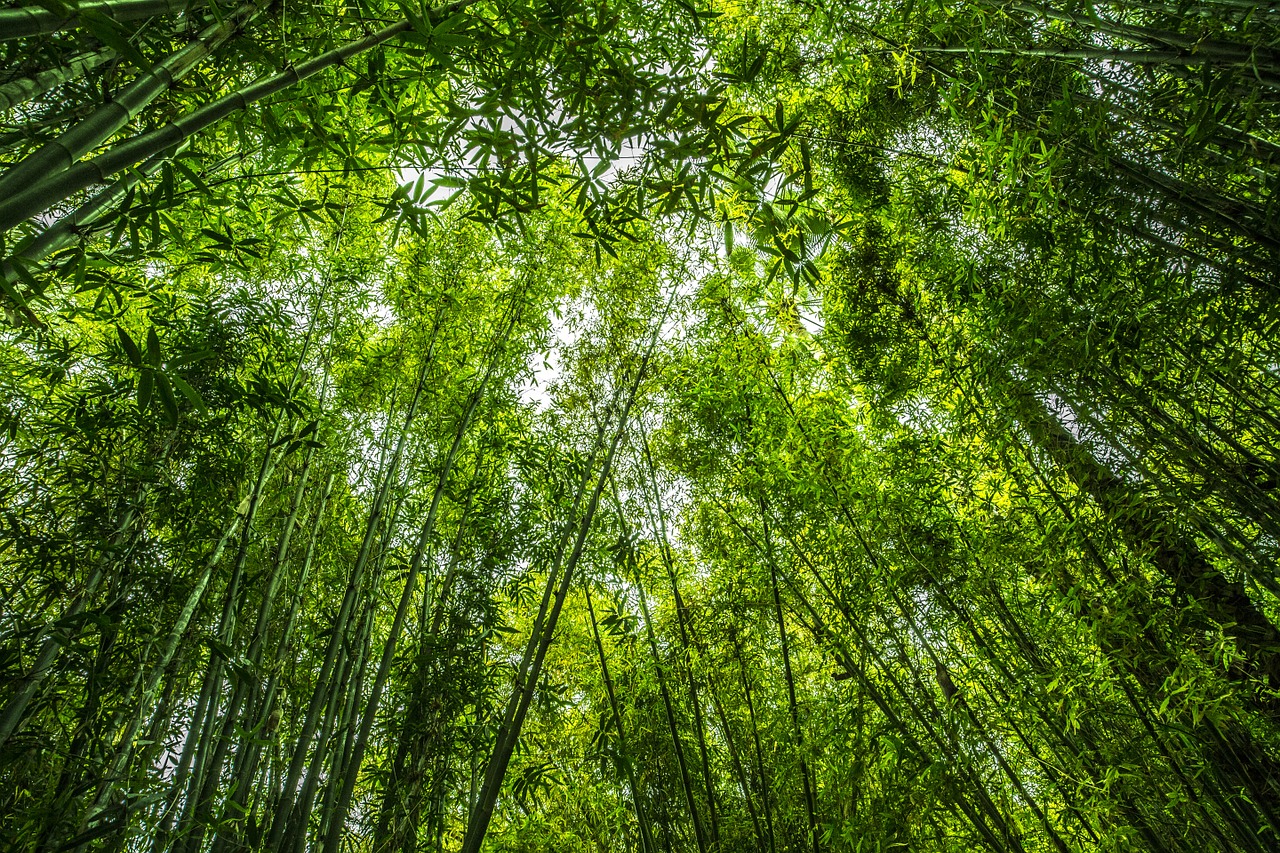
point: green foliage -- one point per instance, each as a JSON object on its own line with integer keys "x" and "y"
{"x": 539, "y": 426}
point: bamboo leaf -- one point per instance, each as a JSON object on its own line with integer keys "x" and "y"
{"x": 146, "y": 383}
{"x": 190, "y": 393}
{"x": 131, "y": 349}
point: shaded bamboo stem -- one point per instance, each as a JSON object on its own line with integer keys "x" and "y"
{"x": 55, "y": 157}
{"x": 18, "y": 92}
{"x": 28, "y": 21}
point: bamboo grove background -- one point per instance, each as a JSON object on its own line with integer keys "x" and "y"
{"x": 639, "y": 425}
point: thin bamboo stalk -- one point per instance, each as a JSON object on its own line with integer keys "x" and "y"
{"x": 282, "y": 818}
{"x": 646, "y": 837}
{"x": 333, "y": 837}
{"x": 544, "y": 629}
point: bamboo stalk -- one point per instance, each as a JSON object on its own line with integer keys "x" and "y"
{"x": 646, "y": 837}
{"x": 333, "y": 837}
{"x": 1172, "y": 553}
{"x": 677, "y": 744}
{"x": 792, "y": 705}
{"x": 57, "y": 156}
{"x": 14, "y": 711}
{"x": 544, "y": 629}
{"x": 126, "y": 742}
{"x": 27, "y": 21}
{"x": 18, "y": 92}
{"x": 682, "y": 621}
{"x": 22, "y": 205}
{"x": 281, "y": 819}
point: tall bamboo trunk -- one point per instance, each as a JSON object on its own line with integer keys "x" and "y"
{"x": 248, "y": 770}
{"x": 766, "y": 801}
{"x": 983, "y": 816}
{"x": 320, "y": 696}
{"x": 682, "y": 622}
{"x": 343, "y": 802}
{"x": 549, "y": 614}
{"x": 796, "y": 730}
{"x": 642, "y": 821}
{"x": 126, "y": 742}
{"x": 673, "y": 730}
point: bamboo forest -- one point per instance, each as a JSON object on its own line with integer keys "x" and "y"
{"x": 639, "y": 426}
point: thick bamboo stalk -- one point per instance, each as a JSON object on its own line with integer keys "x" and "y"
{"x": 27, "y": 21}
{"x": 63, "y": 232}
{"x": 57, "y": 156}
{"x": 300, "y": 815}
{"x": 25, "y": 204}
{"x": 17, "y": 92}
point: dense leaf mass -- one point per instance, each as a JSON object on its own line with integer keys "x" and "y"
{"x": 669, "y": 426}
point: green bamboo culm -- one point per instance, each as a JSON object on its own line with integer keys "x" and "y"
{"x": 30, "y": 175}
{"x": 23, "y": 205}
{"x": 17, "y": 92}
{"x": 27, "y": 21}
